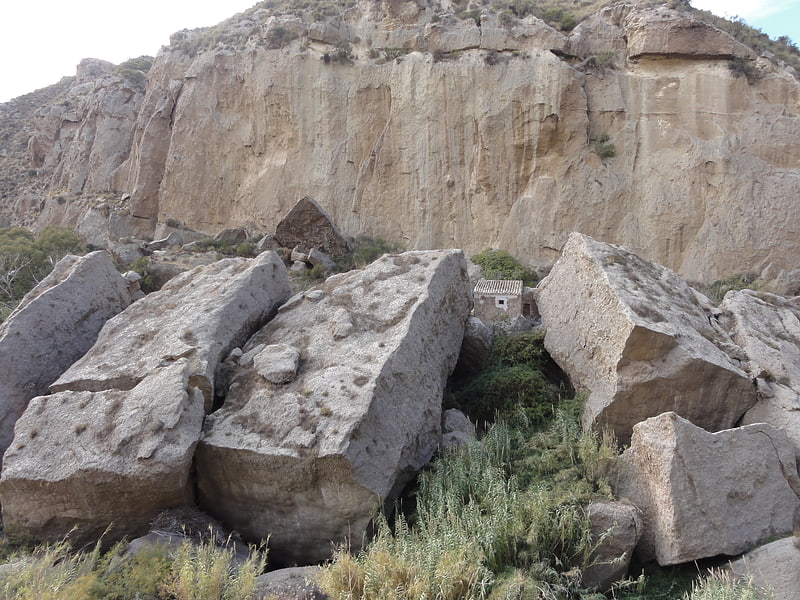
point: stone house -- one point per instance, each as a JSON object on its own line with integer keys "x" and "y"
{"x": 501, "y": 299}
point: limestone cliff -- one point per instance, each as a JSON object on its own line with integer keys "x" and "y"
{"x": 408, "y": 123}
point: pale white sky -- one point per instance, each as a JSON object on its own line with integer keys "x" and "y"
{"x": 43, "y": 40}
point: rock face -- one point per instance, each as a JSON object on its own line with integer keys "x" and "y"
{"x": 307, "y": 224}
{"x": 229, "y": 135}
{"x": 767, "y": 327}
{"x": 200, "y": 314}
{"x": 705, "y": 494}
{"x": 54, "y": 325}
{"x": 616, "y": 528}
{"x": 640, "y": 340}
{"x": 774, "y": 567}
{"x": 308, "y": 461}
{"x": 86, "y": 460}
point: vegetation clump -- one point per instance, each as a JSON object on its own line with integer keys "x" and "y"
{"x": 499, "y": 264}
{"x": 26, "y": 259}
{"x": 716, "y": 291}
{"x": 194, "y": 571}
{"x": 603, "y": 146}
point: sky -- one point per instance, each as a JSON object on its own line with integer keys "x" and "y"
{"x": 43, "y": 40}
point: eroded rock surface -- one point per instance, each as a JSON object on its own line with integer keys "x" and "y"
{"x": 308, "y": 461}
{"x": 200, "y": 314}
{"x": 86, "y": 460}
{"x": 767, "y": 327}
{"x": 308, "y": 225}
{"x": 640, "y": 340}
{"x": 616, "y": 528}
{"x": 53, "y": 326}
{"x": 773, "y": 567}
{"x": 704, "y": 494}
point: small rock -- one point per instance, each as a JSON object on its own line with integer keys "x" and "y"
{"x": 277, "y": 363}
{"x": 231, "y": 236}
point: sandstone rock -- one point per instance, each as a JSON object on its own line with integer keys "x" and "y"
{"x": 173, "y": 239}
{"x": 200, "y": 314}
{"x": 86, "y": 460}
{"x": 616, "y": 529}
{"x": 125, "y": 253}
{"x": 299, "y": 254}
{"x": 268, "y": 242}
{"x": 773, "y": 567}
{"x": 307, "y": 462}
{"x": 317, "y": 257}
{"x": 54, "y": 325}
{"x": 231, "y": 236}
{"x": 457, "y": 429}
{"x": 705, "y": 494}
{"x": 767, "y": 327}
{"x": 277, "y": 363}
{"x": 309, "y": 225}
{"x": 640, "y": 340}
{"x": 294, "y": 583}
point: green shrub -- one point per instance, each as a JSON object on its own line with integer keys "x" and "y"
{"x": 142, "y": 267}
{"x": 246, "y": 249}
{"x": 479, "y": 531}
{"x": 716, "y": 291}
{"x": 603, "y": 146}
{"x": 278, "y": 37}
{"x": 390, "y": 54}
{"x": 742, "y": 67}
{"x": 600, "y": 62}
{"x": 499, "y": 264}
{"x": 363, "y": 251}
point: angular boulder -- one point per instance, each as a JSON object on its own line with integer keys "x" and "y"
{"x": 704, "y": 494}
{"x": 54, "y": 325}
{"x": 200, "y": 314}
{"x": 307, "y": 462}
{"x": 307, "y": 224}
{"x": 640, "y": 340}
{"x": 767, "y": 327}
{"x": 616, "y": 528}
{"x": 774, "y": 567}
{"x": 82, "y": 460}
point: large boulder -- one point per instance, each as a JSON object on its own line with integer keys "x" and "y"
{"x": 307, "y": 462}
{"x": 82, "y": 461}
{"x": 200, "y": 314}
{"x": 53, "y": 326}
{"x": 307, "y": 224}
{"x": 640, "y": 340}
{"x": 767, "y": 327}
{"x": 115, "y": 440}
{"x": 774, "y": 566}
{"x": 705, "y": 494}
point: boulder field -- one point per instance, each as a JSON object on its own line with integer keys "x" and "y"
{"x": 297, "y": 418}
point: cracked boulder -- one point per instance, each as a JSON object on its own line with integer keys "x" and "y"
{"x": 308, "y": 460}
{"x": 767, "y": 327}
{"x": 82, "y": 461}
{"x": 200, "y": 315}
{"x": 640, "y": 340}
{"x": 707, "y": 494}
{"x": 113, "y": 443}
{"x": 53, "y": 326}
{"x": 308, "y": 225}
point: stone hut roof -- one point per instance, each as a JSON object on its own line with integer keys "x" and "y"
{"x": 499, "y": 287}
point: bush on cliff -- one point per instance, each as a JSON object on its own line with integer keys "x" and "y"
{"x": 499, "y": 264}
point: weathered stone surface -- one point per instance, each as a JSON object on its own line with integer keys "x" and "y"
{"x": 307, "y": 462}
{"x": 54, "y": 325}
{"x": 773, "y": 567}
{"x": 317, "y": 257}
{"x": 231, "y": 236}
{"x": 226, "y": 137}
{"x": 616, "y": 529}
{"x": 294, "y": 583}
{"x": 200, "y": 314}
{"x": 640, "y": 340}
{"x": 703, "y": 494}
{"x": 85, "y": 460}
{"x": 457, "y": 429}
{"x": 307, "y": 224}
{"x": 277, "y": 363}
{"x": 767, "y": 327}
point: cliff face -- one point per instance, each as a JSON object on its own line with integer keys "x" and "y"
{"x": 478, "y": 136}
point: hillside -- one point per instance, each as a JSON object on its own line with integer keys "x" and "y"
{"x": 439, "y": 125}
